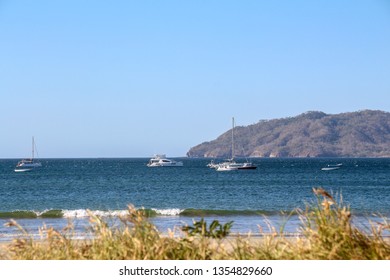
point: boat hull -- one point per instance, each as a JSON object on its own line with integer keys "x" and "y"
{"x": 329, "y": 168}
{"x": 231, "y": 166}
{"x": 23, "y": 169}
{"x": 247, "y": 167}
{"x": 226, "y": 168}
{"x": 176, "y": 164}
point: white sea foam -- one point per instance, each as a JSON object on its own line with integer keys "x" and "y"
{"x": 39, "y": 213}
{"x": 168, "y": 212}
{"x": 82, "y": 213}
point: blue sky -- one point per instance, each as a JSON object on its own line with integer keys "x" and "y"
{"x": 135, "y": 78}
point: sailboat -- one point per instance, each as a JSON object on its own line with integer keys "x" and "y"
{"x": 231, "y": 164}
{"x": 28, "y": 163}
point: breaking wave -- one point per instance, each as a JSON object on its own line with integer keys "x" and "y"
{"x": 152, "y": 212}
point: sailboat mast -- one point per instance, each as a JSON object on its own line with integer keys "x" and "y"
{"x": 32, "y": 157}
{"x": 233, "y": 138}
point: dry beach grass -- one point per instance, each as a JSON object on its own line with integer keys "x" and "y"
{"x": 327, "y": 233}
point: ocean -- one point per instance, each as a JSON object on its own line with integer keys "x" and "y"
{"x": 62, "y": 190}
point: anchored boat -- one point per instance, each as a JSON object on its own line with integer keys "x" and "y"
{"x": 28, "y": 164}
{"x": 162, "y": 161}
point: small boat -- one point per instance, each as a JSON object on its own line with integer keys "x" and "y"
{"x": 330, "y": 167}
{"x": 162, "y": 161}
{"x": 29, "y": 163}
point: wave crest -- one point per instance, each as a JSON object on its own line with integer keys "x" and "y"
{"x": 151, "y": 212}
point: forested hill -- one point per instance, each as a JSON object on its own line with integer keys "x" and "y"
{"x": 312, "y": 134}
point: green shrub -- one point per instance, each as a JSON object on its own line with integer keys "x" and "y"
{"x": 215, "y": 230}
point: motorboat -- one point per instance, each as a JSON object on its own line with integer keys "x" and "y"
{"x": 29, "y": 163}
{"x": 162, "y": 161}
{"x": 331, "y": 167}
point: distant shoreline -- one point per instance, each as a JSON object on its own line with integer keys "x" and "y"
{"x": 361, "y": 134}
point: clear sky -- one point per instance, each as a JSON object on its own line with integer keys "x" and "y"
{"x": 135, "y": 78}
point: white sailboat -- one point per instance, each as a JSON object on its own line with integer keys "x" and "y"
{"x": 231, "y": 164}
{"x": 28, "y": 163}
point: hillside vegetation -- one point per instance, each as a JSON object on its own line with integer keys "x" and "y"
{"x": 312, "y": 134}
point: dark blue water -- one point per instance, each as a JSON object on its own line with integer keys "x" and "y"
{"x": 67, "y": 185}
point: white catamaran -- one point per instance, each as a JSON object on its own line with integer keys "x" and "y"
{"x": 28, "y": 163}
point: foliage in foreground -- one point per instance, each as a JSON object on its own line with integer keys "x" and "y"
{"x": 326, "y": 233}
{"x": 215, "y": 230}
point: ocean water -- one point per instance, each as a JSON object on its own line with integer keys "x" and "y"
{"x": 63, "y": 190}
